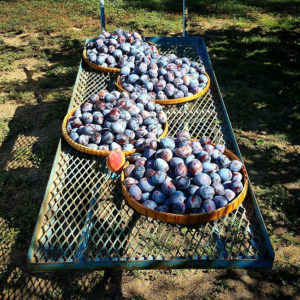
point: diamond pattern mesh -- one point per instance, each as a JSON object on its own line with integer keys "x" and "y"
{"x": 87, "y": 219}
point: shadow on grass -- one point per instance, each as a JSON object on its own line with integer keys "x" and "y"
{"x": 239, "y": 8}
{"x": 258, "y": 73}
{"x": 26, "y": 159}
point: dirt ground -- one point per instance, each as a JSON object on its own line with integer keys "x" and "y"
{"x": 36, "y": 92}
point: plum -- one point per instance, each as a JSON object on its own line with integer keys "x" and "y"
{"x": 158, "y": 196}
{"x": 181, "y": 170}
{"x": 159, "y": 177}
{"x": 168, "y": 187}
{"x": 192, "y": 189}
{"x": 167, "y": 143}
{"x": 128, "y": 170}
{"x": 225, "y": 174}
{"x": 115, "y": 146}
{"x": 76, "y": 123}
{"x": 209, "y": 205}
{"x": 169, "y": 90}
{"x": 183, "y": 151}
{"x": 220, "y": 201}
{"x": 203, "y": 78}
{"x": 205, "y": 140}
{"x": 235, "y": 166}
{"x": 161, "y": 165}
{"x": 128, "y": 147}
{"x": 133, "y": 124}
{"x": 209, "y": 167}
{"x": 78, "y": 113}
{"x": 150, "y": 204}
{"x": 139, "y": 172}
{"x": 83, "y": 139}
{"x": 107, "y": 137}
{"x": 194, "y": 201}
{"x": 125, "y": 115}
{"x": 196, "y": 147}
{"x": 236, "y": 186}
{"x": 135, "y": 192}
{"x": 96, "y": 138}
{"x": 202, "y": 179}
{"x": 175, "y": 161}
{"x": 219, "y": 189}
{"x": 178, "y": 208}
{"x": 182, "y": 182}
{"x": 215, "y": 178}
{"x": 221, "y": 148}
{"x": 223, "y": 161}
{"x": 130, "y": 181}
{"x": 87, "y": 118}
{"x": 203, "y": 156}
{"x": 146, "y": 185}
{"x": 74, "y": 136}
{"x": 146, "y": 196}
{"x": 227, "y": 184}
{"x": 99, "y": 106}
{"x": 216, "y": 153}
{"x": 114, "y": 114}
{"x": 118, "y": 126}
{"x": 177, "y": 196}
{"x": 209, "y": 149}
{"x": 229, "y": 195}
{"x": 195, "y": 167}
{"x": 88, "y": 129}
{"x": 162, "y": 208}
{"x": 125, "y": 70}
{"x": 206, "y": 191}
{"x": 103, "y": 147}
{"x": 237, "y": 176}
{"x": 98, "y": 117}
{"x": 121, "y": 139}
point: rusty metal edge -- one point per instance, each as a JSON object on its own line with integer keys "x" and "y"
{"x": 153, "y": 264}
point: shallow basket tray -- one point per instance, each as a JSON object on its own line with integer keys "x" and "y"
{"x": 172, "y": 101}
{"x": 188, "y": 218}
{"x": 98, "y": 67}
{"x": 92, "y": 151}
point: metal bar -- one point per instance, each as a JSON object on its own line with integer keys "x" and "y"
{"x": 102, "y": 15}
{"x": 184, "y": 18}
{"x": 152, "y": 264}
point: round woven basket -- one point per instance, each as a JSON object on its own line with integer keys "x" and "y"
{"x": 188, "y": 218}
{"x": 98, "y": 67}
{"x": 172, "y": 101}
{"x": 92, "y": 151}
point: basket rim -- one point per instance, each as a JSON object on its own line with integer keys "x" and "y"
{"x": 98, "y": 67}
{"x": 189, "y": 219}
{"x": 171, "y": 101}
{"x": 87, "y": 150}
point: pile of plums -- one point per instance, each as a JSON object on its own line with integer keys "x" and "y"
{"x": 116, "y": 121}
{"x": 119, "y": 49}
{"x": 165, "y": 77}
{"x": 182, "y": 176}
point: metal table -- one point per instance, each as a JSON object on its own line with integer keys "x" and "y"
{"x": 85, "y": 224}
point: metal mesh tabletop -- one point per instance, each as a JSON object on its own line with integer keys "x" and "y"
{"x": 85, "y": 223}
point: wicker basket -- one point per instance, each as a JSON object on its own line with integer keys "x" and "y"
{"x": 92, "y": 151}
{"x": 188, "y": 218}
{"x": 172, "y": 101}
{"x": 98, "y": 67}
